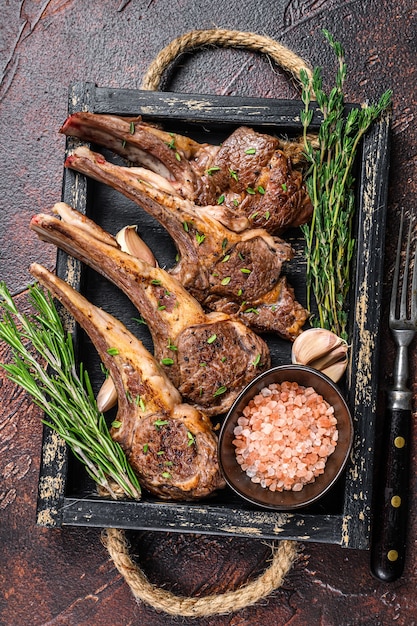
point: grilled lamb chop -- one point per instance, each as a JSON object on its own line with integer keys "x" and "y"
{"x": 248, "y": 172}
{"x": 221, "y": 267}
{"x": 171, "y": 446}
{"x": 208, "y": 357}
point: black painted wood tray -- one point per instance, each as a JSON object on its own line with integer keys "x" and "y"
{"x": 66, "y": 495}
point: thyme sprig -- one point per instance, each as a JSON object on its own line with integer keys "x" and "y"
{"x": 65, "y": 395}
{"x": 330, "y": 183}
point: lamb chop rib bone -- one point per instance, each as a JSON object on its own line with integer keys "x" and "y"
{"x": 221, "y": 266}
{"x": 170, "y": 445}
{"x": 208, "y": 357}
{"x": 253, "y": 172}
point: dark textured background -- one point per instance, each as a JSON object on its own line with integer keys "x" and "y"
{"x": 64, "y": 577}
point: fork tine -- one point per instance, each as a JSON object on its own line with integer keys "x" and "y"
{"x": 414, "y": 288}
{"x": 396, "y": 276}
{"x": 404, "y": 291}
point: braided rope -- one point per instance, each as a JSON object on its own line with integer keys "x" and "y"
{"x": 282, "y": 56}
{"x": 282, "y": 559}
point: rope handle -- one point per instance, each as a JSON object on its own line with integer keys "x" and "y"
{"x": 283, "y": 557}
{"x": 282, "y": 56}
{"x": 114, "y": 539}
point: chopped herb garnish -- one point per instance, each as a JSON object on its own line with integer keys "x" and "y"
{"x": 250, "y": 151}
{"x": 200, "y": 238}
{"x": 236, "y": 202}
{"x": 168, "y": 463}
{"x": 112, "y": 351}
{"x": 223, "y": 359}
{"x": 261, "y": 190}
{"x": 160, "y": 452}
{"x": 250, "y": 191}
{"x": 166, "y": 475}
{"x": 225, "y": 258}
{"x": 252, "y": 310}
{"x": 159, "y": 423}
{"x": 255, "y": 362}
{"x": 224, "y": 244}
{"x": 124, "y": 143}
{"x": 245, "y": 270}
{"x": 155, "y": 281}
{"x": 233, "y": 175}
{"x": 140, "y": 402}
{"x": 220, "y": 391}
{"x": 239, "y": 292}
{"x": 220, "y": 199}
{"x": 284, "y": 186}
{"x": 167, "y": 361}
{"x": 171, "y": 346}
{"x": 252, "y": 217}
{"x": 104, "y": 370}
{"x": 171, "y": 144}
{"x": 145, "y": 447}
{"x": 178, "y": 156}
{"x": 132, "y": 128}
{"x": 116, "y": 424}
{"x": 161, "y": 307}
{"x": 190, "y": 438}
{"x": 185, "y": 227}
{"x": 203, "y": 364}
{"x": 226, "y": 280}
{"x": 139, "y": 320}
{"x": 212, "y": 338}
{"x": 213, "y": 169}
{"x": 267, "y": 215}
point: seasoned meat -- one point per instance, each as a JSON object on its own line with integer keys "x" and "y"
{"x": 233, "y": 354}
{"x": 171, "y": 446}
{"x": 220, "y": 258}
{"x": 251, "y": 173}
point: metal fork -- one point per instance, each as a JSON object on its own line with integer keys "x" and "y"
{"x": 391, "y": 503}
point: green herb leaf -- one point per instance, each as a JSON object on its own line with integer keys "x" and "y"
{"x": 330, "y": 183}
{"x": 112, "y": 351}
{"x": 212, "y": 338}
{"x": 47, "y": 370}
{"x": 167, "y": 361}
{"x": 220, "y": 391}
{"x": 250, "y": 151}
{"x": 226, "y": 280}
{"x": 210, "y": 171}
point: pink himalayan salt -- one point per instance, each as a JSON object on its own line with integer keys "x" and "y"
{"x": 284, "y": 436}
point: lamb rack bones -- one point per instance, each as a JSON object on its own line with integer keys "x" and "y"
{"x": 171, "y": 446}
{"x": 251, "y": 172}
{"x": 208, "y": 357}
{"x": 223, "y": 264}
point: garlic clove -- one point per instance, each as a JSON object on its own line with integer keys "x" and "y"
{"x": 323, "y": 350}
{"x": 336, "y": 370}
{"x": 313, "y": 344}
{"x": 130, "y": 242}
{"x": 107, "y": 396}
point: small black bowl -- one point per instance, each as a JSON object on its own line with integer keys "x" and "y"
{"x": 254, "y": 493}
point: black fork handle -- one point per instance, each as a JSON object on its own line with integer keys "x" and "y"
{"x": 391, "y": 503}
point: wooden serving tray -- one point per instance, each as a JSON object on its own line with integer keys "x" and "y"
{"x": 66, "y": 494}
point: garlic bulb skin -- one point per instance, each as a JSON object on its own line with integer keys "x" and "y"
{"x": 323, "y": 350}
{"x": 107, "y": 396}
{"x": 130, "y": 242}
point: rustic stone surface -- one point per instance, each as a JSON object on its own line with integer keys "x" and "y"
{"x": 65, "y": 576}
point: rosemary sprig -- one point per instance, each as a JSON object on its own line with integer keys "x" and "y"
{"x": 65, "y": 396}
{"x": 329, "y": 236}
